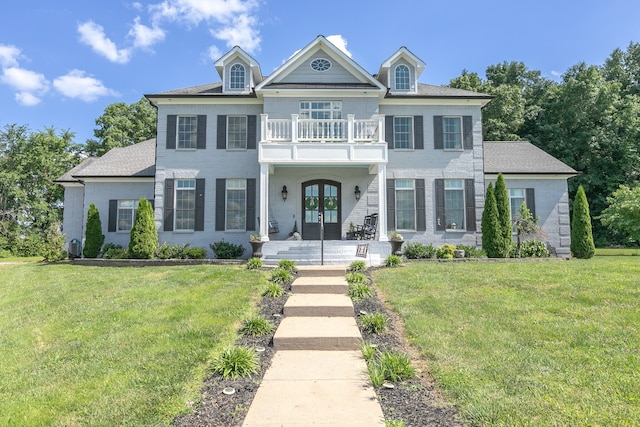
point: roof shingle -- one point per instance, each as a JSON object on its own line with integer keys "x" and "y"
{"x": 521, "y": 157}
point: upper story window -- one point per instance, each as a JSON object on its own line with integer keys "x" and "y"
{"x": 452, "y": 133}
{"x": 187, "y": 132}
{"x": 237, "y": 77}
{"x": 236, "y": 132}
{"x": 321, "y": 110}
{"x": 402, "y": 78}
{"x": 403, "y": 132}
{"x": 320, "y": 64}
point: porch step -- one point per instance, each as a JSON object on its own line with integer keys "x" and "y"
{"x": 317, "y": 333}
{"x": 335, "y": 252}
{"x": 322, "y": 271}
{"x": 315, "y": 305}
{"x": 320, "y": 285}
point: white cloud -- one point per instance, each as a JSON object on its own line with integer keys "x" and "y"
{"x": 93, "y": 35}
{"x": 196, "y": 11}
{"x": 340, "y": 43}
{"x": 213, "y": 53}
{"x": 242, "y": 33}
{"x": 9, "y": 55}
{"x": 24, "y": 80}
{"x": 76, "y": 84}
{"x": 144, "y": 36}
{"x": 27, "y": 99}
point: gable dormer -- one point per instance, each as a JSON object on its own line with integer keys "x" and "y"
{"x": 239, "y": 71}
{"x": 400, "y": 72}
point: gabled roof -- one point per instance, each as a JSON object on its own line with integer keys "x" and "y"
{"x": 237, "y": 51}
{"x": 135, "y": 161}
{"x": 405, "y": 53}
{"x": 321, "y": 43}
{"x": 521, "y": 157}
{"x": 432, "y": 91}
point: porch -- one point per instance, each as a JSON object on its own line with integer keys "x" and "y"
{"x": 336, "y": 252}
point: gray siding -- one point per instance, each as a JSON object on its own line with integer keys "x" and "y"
{"x": 73, "y": 214}
{"x": 305, "y": 74}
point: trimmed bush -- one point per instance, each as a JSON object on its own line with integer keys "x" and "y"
{"x": 357, "y": 266}
{"x": 143, "y": 240}
{"x": 254, "y": 263}
{"x": 93, "y": 236}
{"x": 195, "y": 253}
{"x": 445, "y": 251}
{"x": 236, "y": 362}
{"x": 470, "y": 251}
{"x": 533, "y": 249}
{"x": 492, "y": 241}
{"x": 419, "y": 251}
{"x": 504, "y": 212}
{"x": 113, "y": 251}
{"x": 582, "y": 245}
{"x": 226, "y": 250}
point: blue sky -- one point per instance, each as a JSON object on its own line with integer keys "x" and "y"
{"x": 62, "y": 62}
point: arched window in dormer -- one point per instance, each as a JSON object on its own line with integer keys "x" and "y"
{"x": 236, "y": 80}
{"x": 402, "y": 78}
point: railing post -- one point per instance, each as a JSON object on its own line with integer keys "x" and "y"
{"x": 263, "y": 127}
{"x": 350, "y": 127}
{"x": 294, "y": 128}
{"x": 381, "y": 130}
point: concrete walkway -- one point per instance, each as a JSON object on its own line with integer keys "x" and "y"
{"x": 317, "y": 376}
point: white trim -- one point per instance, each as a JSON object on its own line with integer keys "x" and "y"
{"x": 507, "y": 175}
{"x": 118, "y": 179}
{"x": 417, "y": 100}
{"x": 201, "y": 100}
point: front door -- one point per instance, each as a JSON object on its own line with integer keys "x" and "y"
{"x": 321, "y": 196}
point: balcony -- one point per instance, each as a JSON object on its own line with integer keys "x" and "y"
{"x": 310, "y": 141}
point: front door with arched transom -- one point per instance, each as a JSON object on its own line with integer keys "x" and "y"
{"x": 321, "y": 196}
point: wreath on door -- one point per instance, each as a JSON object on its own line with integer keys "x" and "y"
{"x": 330, "y": 203}
{"x": 311, "y": 203}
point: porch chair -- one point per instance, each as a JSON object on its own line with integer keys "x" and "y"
{"x": 367, "y": 231}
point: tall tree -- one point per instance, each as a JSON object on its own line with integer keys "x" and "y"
{"x": 493, "y": 242}
{"x": 122, "y": 125}
{"x": 623, "y": 213}
{"x": 582, "y": 245}
{"x": 93, "y": 233}
{"x": 143, "y": 240}
{"x": 504, "y": 211}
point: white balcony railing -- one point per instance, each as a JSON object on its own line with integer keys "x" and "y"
{"x": 310, "y": 130}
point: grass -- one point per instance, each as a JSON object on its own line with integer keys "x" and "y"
{"x": 618, "y": 252}
{"x": 527, "y": 343}
{"x": 113, "y": 346}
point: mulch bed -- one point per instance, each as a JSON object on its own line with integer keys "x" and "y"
{"x": 415, "y": 401}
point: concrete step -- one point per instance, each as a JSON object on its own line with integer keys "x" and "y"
{"x": 322, "y": 271}
{"x": 316, "y": 305}
{"x": 317, "y": 333}
{"x": 320, "y": 285}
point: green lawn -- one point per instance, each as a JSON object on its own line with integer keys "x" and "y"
{"x": 527, "y": 343}
{"x": 113, "y": 346}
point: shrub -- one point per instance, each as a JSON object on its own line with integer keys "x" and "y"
{"x": 582, "y": 245}
{"x": 356, "y": 278}
{"x": 287, "y": 264}
{"x": 470, "y": 251}
{"x": 195, "y": 253}
{"x": 143, "y": 240}
{"x": 374, "y": 323}
{"x": 254, "y": 263}
{"x": 113, "y": 251}
{"x": 256, "y": 326}
{"x": 359, "y": 290}
{"x": 226, "y": 250}
{"x": 236, "y": 362}
{"x": 493, "y": 243}
{"x": 52, "y": 249}
{"x": 280, "y": 275}
{"x": 533, "y": 249}
{"x": 392, "y": 261}
{"x": 273, "y": 290}
{"x": 358, "y": 266}
{"x": 93, "y": 234}
{"x": 445, "y": 251}
{"x": 28, "y": 246}
{"x": 167, "y": 251}
{"x": 419, "y": 251}
{"x": 504, "y": 212}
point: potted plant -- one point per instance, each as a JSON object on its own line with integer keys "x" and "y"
{"x": 351, "y": 234}
{"x": 396, "y": 241}
{"x": 256, "y": 242}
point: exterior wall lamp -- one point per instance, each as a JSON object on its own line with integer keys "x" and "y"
{"x": 357, "y": 193}
{"x": 284, "y": 193}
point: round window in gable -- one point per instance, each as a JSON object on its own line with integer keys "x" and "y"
{"x": 320, "y": 64}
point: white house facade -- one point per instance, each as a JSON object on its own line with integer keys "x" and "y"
{"x": 318, "y": 138}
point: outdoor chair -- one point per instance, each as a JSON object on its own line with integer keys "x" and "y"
{"x": 367, "y": 231}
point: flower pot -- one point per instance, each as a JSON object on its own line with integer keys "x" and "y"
{"x": 256, "y": 248}
{"x": 458, "y": 253}
{"x": 396, "y": 246}
{"x": 351, "y": 235}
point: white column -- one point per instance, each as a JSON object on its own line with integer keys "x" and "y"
{"x": 264, "y": 201}
{"x": 294, "y": 128}
{"x": 263, "y": 127}
{"x": 381, "y": 129}
{"x": 382, "y": 203}
{"x": 350, "y": 127}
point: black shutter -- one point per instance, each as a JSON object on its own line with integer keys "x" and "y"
{"x": 470, "y": 204}
{"x": 438, "y": 140}
{"x": 467, "y": 132}
{"x": 441, "y": 221}
{"x": 201, "y": 136}
{"x": 388, "y": 131}
{"x": 113, "y": 215}
{"x": 199, "y": 214}
{"x": 168, "y": 204}
{"x": 391, "y": 204}
{"x": 221, "y": 186}
{"x": 251, "y": 204}
{"x": 421, "y": 220}
{"x": 418, "y": 133}
{"x": 252, "y": 132}
{"x": 221, "y": 135}
{"x": 171, "y": 132}
{"x": 530, "y": 201}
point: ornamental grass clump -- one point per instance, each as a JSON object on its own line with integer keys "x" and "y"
{"x": 392, "y": 261}
{"x": 287, "y": 264}
{"x": 274, "y": 290}
{"x": 358, "y": 266}
{"x": 256, "y": 326}
{"x": 359, "y": 291}
{"x": 374, "y": 323}
{"x": 236, "y": 362}
{"x": 254, "y": 263}
{"x": 280, "y": 275}
{"x": 389, "y": 366}
{"x": 356, "y": 278}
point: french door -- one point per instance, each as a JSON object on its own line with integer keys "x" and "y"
{"x": 321, "y": 197}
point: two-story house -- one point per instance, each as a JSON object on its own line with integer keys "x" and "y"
{"x": 319, "y": 137}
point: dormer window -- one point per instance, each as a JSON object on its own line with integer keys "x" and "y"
{"x": 402, "y": 78}
{"x": 237, "y": 76}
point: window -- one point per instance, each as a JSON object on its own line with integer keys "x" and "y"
{"x": 320, "y": 64}
{"x": 126, "y": 214}
{"x": 187, "y": 132}
{"x": 236, "y": 202}
{"x": 329, "y": 124}
{"x": 402, "y": 78}
{"x": 405, "y": 204}
{"x": 403, "y": 132}
{"x": 452, "y": 133}
{"x": 321, "y": 110}
{"x": 185, "y": 210}
{"x": 236, "y": 132}
{"x": 454, "y": 203}
{"x": 516, "y": 199}
{"x": 236, "y": 80}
